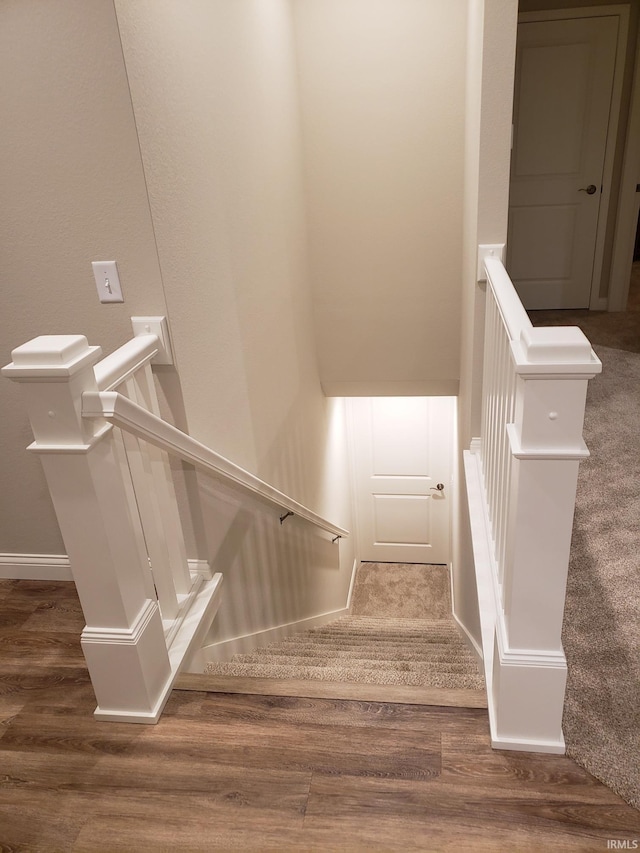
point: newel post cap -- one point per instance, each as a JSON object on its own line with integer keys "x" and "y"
{"x": 555, "y": 345}
{"x": 51, "y": 356}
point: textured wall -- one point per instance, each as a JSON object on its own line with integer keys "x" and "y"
{"x": 73, "y": 191}
{"x": 382, "y": 96}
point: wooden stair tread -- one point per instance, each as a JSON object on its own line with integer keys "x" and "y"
{"x": 398, "y": 694}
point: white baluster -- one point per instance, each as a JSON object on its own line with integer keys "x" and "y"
{"x": 164, "y": 488}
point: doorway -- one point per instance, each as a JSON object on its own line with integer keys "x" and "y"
{"x": 401, "y": 454}
{"x": 569, "y": 68}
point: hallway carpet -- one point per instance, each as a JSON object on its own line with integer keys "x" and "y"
{"x": 400, "y": 632}
{"x": 619, "y": 329}
{"x": 601, "y": 633}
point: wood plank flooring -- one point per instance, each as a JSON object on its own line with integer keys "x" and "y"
{"x": 255, "y": 772}
{"x": 455, "y": 697}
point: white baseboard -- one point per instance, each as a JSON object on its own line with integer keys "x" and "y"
{"x": 226, "y": 649}
{"x": 467, "y": 636}
{"x": 521, "y": 745}
{"x": 35, "y": 567}
{"x": 56, "y": 567}
{"x": 352, "y": 583}
{"x": 470, "y": 640}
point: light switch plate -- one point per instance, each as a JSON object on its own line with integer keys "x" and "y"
{"x": 107, "y": 281}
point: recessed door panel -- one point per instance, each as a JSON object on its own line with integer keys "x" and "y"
{"x": 399, "y": 442}
{"x": 402, "y": 519}
{"x": 540, "y": 237}
{"x": 553, "y": 109}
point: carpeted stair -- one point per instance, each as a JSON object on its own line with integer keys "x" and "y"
{"x": 363, "y": 650}
{"x": 400, "y": 633}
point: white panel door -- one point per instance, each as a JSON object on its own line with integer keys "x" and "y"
{"x": 401, "y": 451}
{"x": 563, "y": 88}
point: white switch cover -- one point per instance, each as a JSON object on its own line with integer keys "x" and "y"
{"x": 107, "y": 281}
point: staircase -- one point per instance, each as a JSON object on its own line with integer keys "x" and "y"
{"x": 374, "y": 653}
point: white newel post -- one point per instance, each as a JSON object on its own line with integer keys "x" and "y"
{"x": 553, "y": 366}
{"x": 123, "y": 641}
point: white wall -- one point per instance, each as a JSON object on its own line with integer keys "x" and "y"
{"x": 214, "y": 92}
{"x": 222, "y": 235}
{"x": 220, "y": 244}
{"x": 73, "y": 191}
{"x": 489, "y": 100}
{"x": 382, "y": 98}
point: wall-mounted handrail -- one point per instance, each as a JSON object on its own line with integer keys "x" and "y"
{"x": 137, "y": 420}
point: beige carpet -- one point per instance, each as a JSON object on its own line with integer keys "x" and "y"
{"x": 618, "y": 329}
{"x": 400, "y": 632}
{"x": 601, "y": 634}
{"x": 402, "y": 591}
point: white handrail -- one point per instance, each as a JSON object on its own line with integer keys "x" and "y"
{"x": 137, "y": 420}
{"x": 512, "y": 310}
{"x": 562, "y": 350}
{"x": 122, "y": 363}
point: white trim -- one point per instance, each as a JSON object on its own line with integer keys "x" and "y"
{"x": 101, "y": 432}
{"x": 200, "y": 567}
{"x": 35, "y": 360}
{"x": 225, "y": 649}
{"x": 551, "y": 747}
{"x": 56, "y": 567}
{"x": 545, "y": 662}
{"x": 122, "y": 636}
{"x": 488, "y": 598}
{"x": 192, "y": 630}
{"x": 352, "y": 583}
{"x": 469, "y": 639}
{"x": 351, "y": 458}
{"x": 596, "y": 302}
{"x": 518, "y": 452}
{"x": 628, "y": 203}
{"x": 35, "y": 567}
{"x": 490, "y": 250}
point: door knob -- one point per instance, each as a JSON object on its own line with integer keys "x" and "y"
{"x": 438, "y": 488}
{"x": 589, "y": 190}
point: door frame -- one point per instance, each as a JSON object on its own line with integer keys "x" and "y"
{"x": 596, "y": 301}
{"x": 628, "y": 202}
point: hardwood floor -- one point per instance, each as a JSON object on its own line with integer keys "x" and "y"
{"x": 244, "y": 772}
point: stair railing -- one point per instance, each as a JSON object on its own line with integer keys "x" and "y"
{"x": 521, "y": 478}
{"x": 147, "y": 607}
